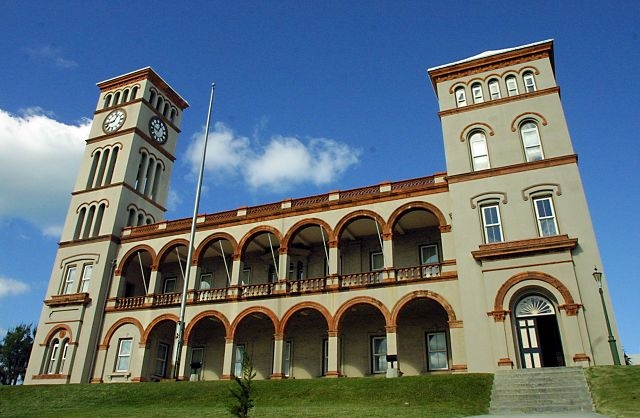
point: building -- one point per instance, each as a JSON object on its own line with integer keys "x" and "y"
{"x": 484, "y": 267}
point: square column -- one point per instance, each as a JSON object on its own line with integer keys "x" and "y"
{"x": 332, "y": 361}
{"x": 227, "y": 363}
{"x": 278, "y": 343}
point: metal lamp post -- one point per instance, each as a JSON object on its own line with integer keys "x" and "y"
{"x": 597, "y": 275}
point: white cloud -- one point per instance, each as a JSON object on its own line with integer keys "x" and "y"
{"x": 280, "y": 165}
{"x": 12, "y": 287}
{"x": 39, "y": 160}
{"x": 51, "y": 54}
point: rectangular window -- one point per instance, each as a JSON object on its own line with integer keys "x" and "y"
{"x": 325, "y": 356}
{"x": 529, "y": 83}
{"x": 494, "y": 90}
{"x": 377, "y": 261}
{"x": 437, "y": 351}
{"x": 429, "y": 260}
{"x": 476, "y": 90}
{"x": 379, "y": 354}
{"x": 512, "y": 86}
{"x": 546, "y": 216}
{"x": 86, "y": 277}
{"x": 161, "y": 360}
{"x": 197, "y": 360}
{"x": 286, "y": 358}
{"x": 53, "y": 358}
{"x": 237, "y": 362}
{"x": 206, "y": 281}
{"x": 169, "y": 285}
{"x": 245, "y": 278}
{"x": 69, "y": 279}
{"x": 491, "y": 223}
{"x": 124, "y": 354}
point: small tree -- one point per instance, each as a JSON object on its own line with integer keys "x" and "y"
{"x": 241, "y": 391}
{"x": 14, "y": 353}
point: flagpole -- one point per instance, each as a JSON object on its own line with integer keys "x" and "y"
{"x": 177, "y": 346}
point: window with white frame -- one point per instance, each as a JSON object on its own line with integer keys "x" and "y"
{"x": 529, "y": 82}
{"x": 476, "y": 91}
{"x": 494, "y": 89}
{"x": 63, "y": 354}
{"x": 245, "y": 278}
{"x": 479, "y": 151}
{"x": 124, "y": 355}
{"x": 491, "y": 223}
{"x": 169, "y": 285}
{"x": 461, "y": 97}
{"x": 429, "y": 260}
{"x": 53, "y": 357}
{"x": 437, "y": 351}
{"x": 86, "y": 277}
{"x": 161, "y": 360}
{"x": 377, "y": 260}
{"x": 512, "y": 85}
{"x": 238, "y": 358}
{"x": 286, "y": 358}
{"x": 379, "y": 354}
{"x": 545, "y": 215}
{"x": 69, "y": 279}
{"x": 206, "y": 281}
{"x": 531, "y": 141}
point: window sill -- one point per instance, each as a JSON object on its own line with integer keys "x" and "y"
{"x": 49, "y": 376}
{"x": 68, "y": 299}
{"x": 524, "y": 247}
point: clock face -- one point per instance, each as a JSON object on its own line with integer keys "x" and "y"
{"x": 158, "y": 130}
{"x": 114, "y": 121}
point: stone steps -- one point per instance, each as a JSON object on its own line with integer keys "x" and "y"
{"x": 543, "y": 390}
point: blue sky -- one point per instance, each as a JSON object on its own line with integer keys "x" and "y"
{"x": 340, "y": 85}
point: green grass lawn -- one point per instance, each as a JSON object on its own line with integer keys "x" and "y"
{"x": 616, "y": 393}
{"x": 421, "y": 396}
{"x": 615, "y": 390}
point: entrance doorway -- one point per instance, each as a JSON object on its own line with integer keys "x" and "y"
{"x": 538, "y": 334}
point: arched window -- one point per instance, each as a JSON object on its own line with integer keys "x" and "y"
{"x": 479, "y": 151}
{"x": 63, "y": 355}
{"x": 53, "y": 352}
{"x": 461, "y": 97}
{"x": 142, "y": 169}
{"x": 476, "y": 91}
{"x": 111, "y": 167}
{"x": 529, "y": 82}
{"x": 103, "y": 166}
{"x": 132, "y": 217}
{"x": 134, "y": 92}
{"x": 165, "y": 111}
{"x": 125, "y": 96}
{"x": 156, "y": 180}
{"x": 116, "y": 98}
{"x": 152, "y": 97}
{"x": 89, "y": 222}
{"x": 107, "y": 100}
{"x": 160, "y": 103}
{"x": 531, "y": 141}
{"x": 92, "y": 172}
{"x": 512, "y": 85}
{"x": 98, "y": 221}
{"x": 494, "y": 89}
{"x": 80, "y": 223}
{"x": 140, "y": 220}
{"x": 173, "y": 115}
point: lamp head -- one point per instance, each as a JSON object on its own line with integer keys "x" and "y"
{"x": 597, "y": 275}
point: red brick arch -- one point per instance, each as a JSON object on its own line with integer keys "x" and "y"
{"x": 207, "y": 314}
{"x": 359, "y": 214}
{"x": 397, "y": 214}
{"x": 305, "y": 305}
{"x": 422, "y": 294}
{"x": 256, "y": 231}
{"x": 254, "y": 309}
{"x": 357, "y": 301}
{"x": 60, "y": 327}
{"x": 531, "y": 275}
{"x": 164, "y": 317}
{"x": 142, "y": 247}
{"x": 120, "y": 322}
{"x": 210, "y": 239}
{"x": 169, "y": 246}
{"x": 306, "y": 222}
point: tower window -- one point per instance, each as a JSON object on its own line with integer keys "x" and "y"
{"x": 479, "y": 151}
{"x": 529, "y": 82}
{"x": 531, "y": 142}
{"x": 512, "y": 85}
{"x": 107, "y": 100}
{"x": 494, "y": 89}
{"x": 476, "y": 91}
{"x": 461, "y": 97}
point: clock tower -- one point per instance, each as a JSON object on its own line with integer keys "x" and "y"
{"x": 123, "y": 181}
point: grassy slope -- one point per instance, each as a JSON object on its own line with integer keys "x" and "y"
{"x": 424, "y": 396}
{"x": 616, "y": 393}
{"x": 615, "y": 390}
